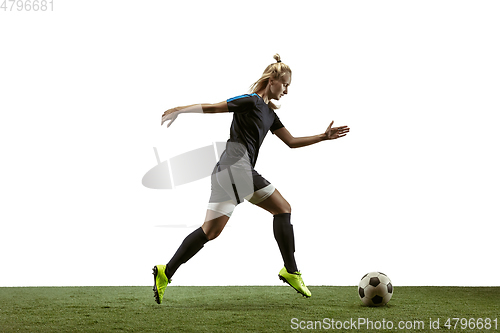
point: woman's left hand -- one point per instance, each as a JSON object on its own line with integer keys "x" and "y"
{"x": 332, "y": 133}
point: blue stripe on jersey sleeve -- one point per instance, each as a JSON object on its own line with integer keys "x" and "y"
{"x": 241, "y": 96}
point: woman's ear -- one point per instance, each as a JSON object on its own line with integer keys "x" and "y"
{"x": 270, "y": 84}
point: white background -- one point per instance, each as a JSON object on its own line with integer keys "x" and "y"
{"x": 412, "y": 191}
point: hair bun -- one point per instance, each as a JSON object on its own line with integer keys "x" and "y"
{"x": 277, "y": 57}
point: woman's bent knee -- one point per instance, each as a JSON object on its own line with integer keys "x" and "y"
{"x": 213, "y": 235}
{"x": 211, "y": 232}
{"x": 276, "y": 204}
{"x": 285, "y": 208}
{"x": 214, "y": 226}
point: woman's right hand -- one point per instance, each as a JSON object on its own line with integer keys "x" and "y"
{"x": 171, "y": 115}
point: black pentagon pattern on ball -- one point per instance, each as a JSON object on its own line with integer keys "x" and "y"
{"x": 374, "y": 281}
{"x": 375, "y": 289}
{"x": 377, "y": 299}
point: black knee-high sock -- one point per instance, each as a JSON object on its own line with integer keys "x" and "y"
{"x": 189, "y": 247}
{"x": 283, "y": 233}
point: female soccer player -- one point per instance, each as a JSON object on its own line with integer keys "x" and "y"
{"x": 235, "y": 179}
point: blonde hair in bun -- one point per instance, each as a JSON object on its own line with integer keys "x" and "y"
{"x": 275, "y": 71}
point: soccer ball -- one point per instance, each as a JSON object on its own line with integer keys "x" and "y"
{"x": 375, "y": 289}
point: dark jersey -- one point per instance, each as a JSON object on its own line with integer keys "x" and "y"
{"x": 252, "y": 119}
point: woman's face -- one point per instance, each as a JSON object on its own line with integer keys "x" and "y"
{"x": 279, "y": 88}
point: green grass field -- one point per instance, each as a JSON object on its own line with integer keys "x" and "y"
{"x": 241, "y": 309}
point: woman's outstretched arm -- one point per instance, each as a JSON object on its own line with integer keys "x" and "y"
{"x": 331, "y": 133}
{"x": 171, "y": 114}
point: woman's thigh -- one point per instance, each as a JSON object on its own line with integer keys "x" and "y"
{"x": 275, "y": 204}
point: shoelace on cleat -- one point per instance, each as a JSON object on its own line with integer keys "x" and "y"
{"x": 300, "y": 278}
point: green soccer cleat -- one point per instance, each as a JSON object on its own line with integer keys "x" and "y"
{"x": 295, "y": 281}
{"x": 161, "y": 282}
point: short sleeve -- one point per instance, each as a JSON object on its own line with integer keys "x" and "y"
{"x": 240, "y": 104}
{"x": 277, "y": 124}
